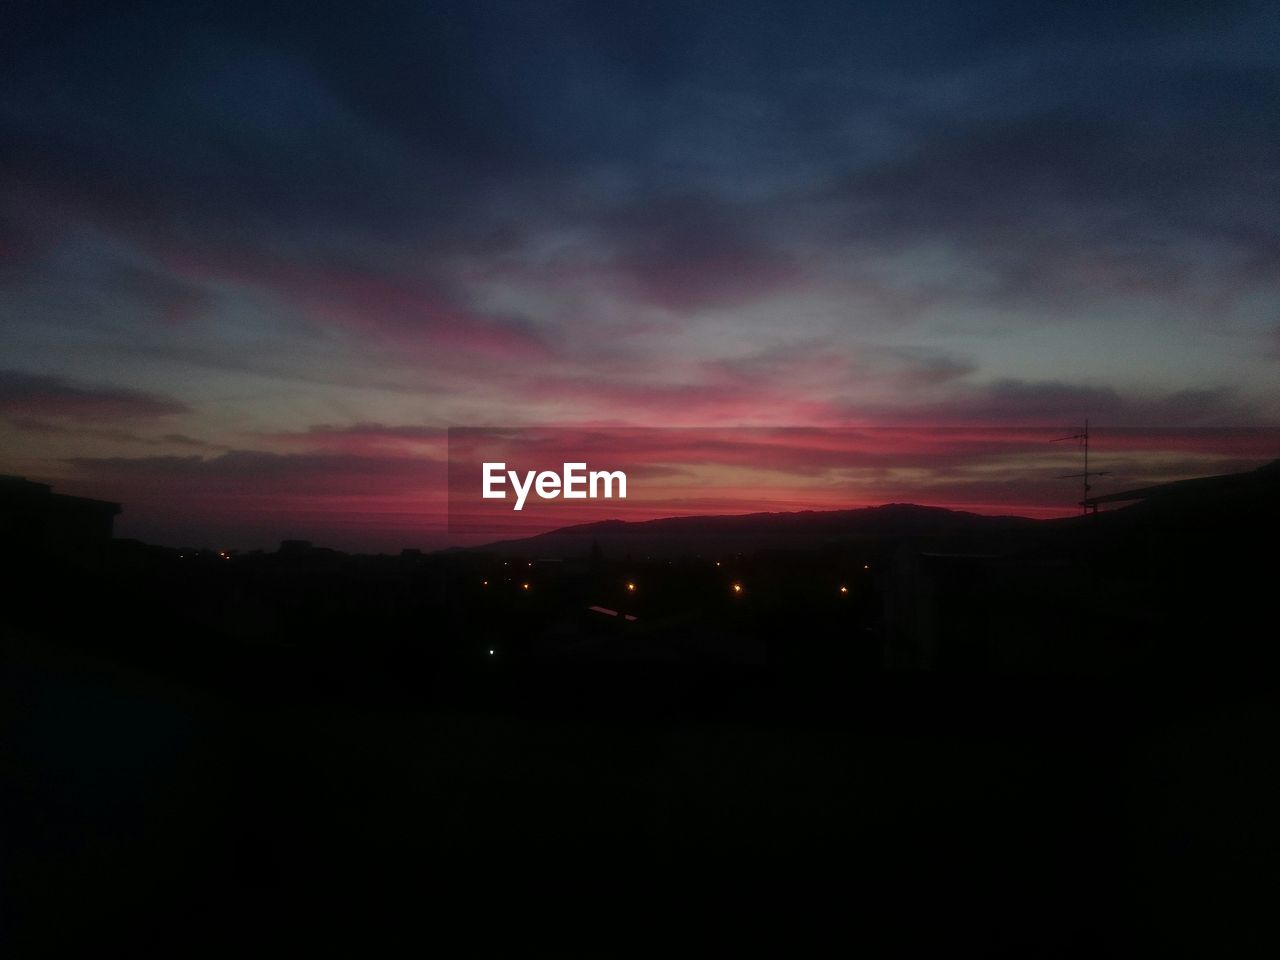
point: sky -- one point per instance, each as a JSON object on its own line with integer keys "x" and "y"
{"x": 256, "y": 259}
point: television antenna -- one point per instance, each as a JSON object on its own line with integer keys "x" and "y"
{"x": 1083, "y": 438}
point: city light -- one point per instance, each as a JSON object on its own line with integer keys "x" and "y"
{"x": 737, "y": 588}
{"x": 844, "y": 589}
{"x": 631, "y": 587}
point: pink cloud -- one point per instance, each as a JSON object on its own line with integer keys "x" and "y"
{"x": 361, "y": 301}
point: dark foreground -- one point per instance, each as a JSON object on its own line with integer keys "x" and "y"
{"x": 1026, "y": 740}
{"x": 599, "y": 811}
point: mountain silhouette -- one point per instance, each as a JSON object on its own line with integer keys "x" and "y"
{"x": 715, "y": 535}
{"x": 1228, "y": 499}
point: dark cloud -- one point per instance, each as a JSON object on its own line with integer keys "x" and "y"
{"x": 408, "y": 308}
{"x": 27, "y": 395}
{"x": 1020, "y": 402}
{"x": 916, "y": 368}
{"x": 401, "y": 432}
{"x": 1054, "y": 209}
{"x": 183, "y": 440}
{"x": 685, "y": 252}
{"x": 261, "y": 473}
{"x": 32, "y": 425}
{"x": 367, "y": 439}
{"x": 452, "y": 128}
{"x": 158, "y": 293}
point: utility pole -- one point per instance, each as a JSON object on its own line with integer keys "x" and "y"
{"x": 1083, "y": 437}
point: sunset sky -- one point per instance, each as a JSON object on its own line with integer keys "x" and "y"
{"x": 254, "y": 263}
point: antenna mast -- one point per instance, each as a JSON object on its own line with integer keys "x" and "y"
{"x": 1083, "y": 437}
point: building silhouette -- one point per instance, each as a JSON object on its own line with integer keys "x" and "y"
{"x": 35, "y": 520}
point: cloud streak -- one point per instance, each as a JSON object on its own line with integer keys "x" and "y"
{"x": 26, "y": 395}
